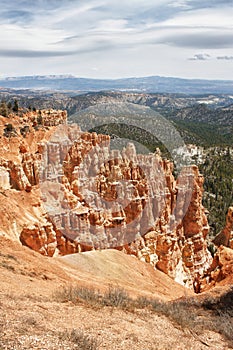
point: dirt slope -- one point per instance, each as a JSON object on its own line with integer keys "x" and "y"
{"x": 20, "y": 266}
{"x": 31, "y": 316}
{"x": 114, "y": 267}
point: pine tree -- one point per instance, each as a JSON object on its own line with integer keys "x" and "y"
{"x": 15, "y": 106}
{"x": 3, "y": 109}
{"x": 9, "y": 105}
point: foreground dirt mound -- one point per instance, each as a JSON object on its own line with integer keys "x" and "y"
{"x": 23, "y": 269}
{"x": 114, "y": 267}
{"x": 33, "y": 317}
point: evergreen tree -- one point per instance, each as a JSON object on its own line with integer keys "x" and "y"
{"x": 3, "y": 109}
{"x": 39, "y": 118}
{"x": 15, "y": 106}
{"x": 9, "y": 106}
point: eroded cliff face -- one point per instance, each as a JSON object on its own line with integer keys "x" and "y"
{"x": 84, "y": 196}
{"x": 179, "y": 250}
{"x": 225, "y": 237}
{"x": 20, "y": 159}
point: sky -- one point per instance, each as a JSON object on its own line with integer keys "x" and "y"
{"x": 117, "y": 39}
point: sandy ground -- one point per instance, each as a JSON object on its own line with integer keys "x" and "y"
{"x": 31, "y": 317}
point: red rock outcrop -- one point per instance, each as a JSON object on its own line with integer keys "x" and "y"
{"x": 179, "y": 249}
{"x": 96, "y": 198}
{"x": 225, "y": 237}
{"x": 220, "y": 271}
{"x": 16, "y": 158}
{"x": 101, "y": 199}
{"x": 4, "y": 179}
{"x": 41, "y": 238}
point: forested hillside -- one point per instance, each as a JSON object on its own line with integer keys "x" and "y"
{"x": 218, "y": 172}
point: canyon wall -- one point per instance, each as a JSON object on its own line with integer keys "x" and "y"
{"x": 91, "y": 197}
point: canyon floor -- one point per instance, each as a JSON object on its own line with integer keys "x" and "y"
{"x": 33, "y": 315}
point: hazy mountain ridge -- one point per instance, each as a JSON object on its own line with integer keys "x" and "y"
{"x": 83, "y": 100}
{"x": 143, "y": 84}
{"x": 202, "y": 119}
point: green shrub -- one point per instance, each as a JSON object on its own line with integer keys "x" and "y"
{"x": 9, "y": 131}
{"x": 15, "y": 107}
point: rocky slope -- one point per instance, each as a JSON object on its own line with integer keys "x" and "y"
{"x": 33, "y": 317}
{"x": 64, "y": 191}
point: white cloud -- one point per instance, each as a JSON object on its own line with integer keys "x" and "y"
{"x": 200, "y": 57}
{"x": 203, "y": 18}
{"x": 141, "y": 37}
{"x": 227, "y": 58}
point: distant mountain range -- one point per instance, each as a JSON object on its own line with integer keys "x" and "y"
{"x": 201, "y": 119}
{"x": 153, "y": 84}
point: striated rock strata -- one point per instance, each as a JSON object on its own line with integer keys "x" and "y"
{"x": 92, "y": 197}
{"x": 98, "y": 199}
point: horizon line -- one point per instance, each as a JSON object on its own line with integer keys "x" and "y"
{"x": 67, "y": 76}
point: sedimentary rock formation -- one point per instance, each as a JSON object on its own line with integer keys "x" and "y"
{"x": 99, "y": 199}
{"x": 225, "y": 237}
{"x": 41, "y": 238}
{"x": 23, "y": 169}
{"x": 4, "y": 179}
{"x": 220, "y": 270}
{"x": 92, "y": 197}
{"x": 179, "y": 249}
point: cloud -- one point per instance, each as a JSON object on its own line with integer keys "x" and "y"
{"x": 34, "y": 53}
{"x": 200, "y": 57}
{"x": 200, "y": 4}
{"x": 16, "y": 16}
{"x": 200, "y": 39}
{"x": 141, "y": 36}
{"x": 228, "y": 58}
{"x": 205, "y": 57}
{"x": 98, "y": 46}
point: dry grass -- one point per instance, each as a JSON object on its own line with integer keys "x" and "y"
{"x": 7, "y": 266}
{"x": 222, "y": 314}
{"x": 188, "y": 313}
{"x": 7, "y": 260}
{"x": 115, "y": 296}
{"x": 77, "y": 294}
{"x": 81, "y": 339}
{"x": 126, "y": 325}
